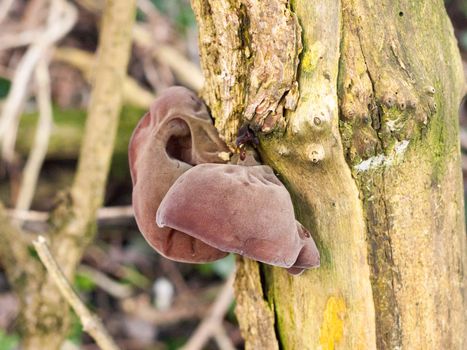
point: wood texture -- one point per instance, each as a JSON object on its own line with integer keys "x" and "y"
{"x": 399, "y": 95}
{"x": 370, "y": 155}
{"x": 250, "y": 55}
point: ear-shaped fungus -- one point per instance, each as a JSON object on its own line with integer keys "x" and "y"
{"x": 240, "y": 209}
{"x": 175, "y": 135}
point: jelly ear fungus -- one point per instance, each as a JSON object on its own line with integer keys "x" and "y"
{"x": 175, "y": 135}
{"x": 205, "y": 209}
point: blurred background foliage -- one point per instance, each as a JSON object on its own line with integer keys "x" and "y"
{"x": 146, "y": 301}
{"x": 179, "y": 11}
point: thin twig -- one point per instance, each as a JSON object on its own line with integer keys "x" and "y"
{"x": 5, "y": 7}
{"x": 174, "y": 274}
{"x": 23, "y": 38}
{"x": 91, "y": 323}
{"x": 116, "y": 289}
{"x": 105, "y": 216}
{"x": 115, "y": 213}
{"x": 28, "y": 215}
{"x": 186, "y": 71}
{"x": 141, "y": 308}
{"x": 39, "y": 149}
{"x": 84, "y": 61}
{"x": 153, "y": 75}
{"x": 208, "y": 326}
{"x": 148, "y": 8}
{"x": 222, "y": 339}
{"x": 61, "y": 19}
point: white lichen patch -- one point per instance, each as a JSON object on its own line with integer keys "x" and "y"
{"x": 372, "y": 163}
{"x": 400, "y": 147}
{"x": 393, "y": 125}
{"x": 383, "y": 160}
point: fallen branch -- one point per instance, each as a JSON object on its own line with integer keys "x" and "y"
{"x": 91, "y": 323}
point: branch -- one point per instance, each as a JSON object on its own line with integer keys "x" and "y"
{"x": 209, "y": 327}
{"x": 222, "y": 339}
{"x": 13, "y": 40}
{"x": 114, "y": 288}
{"x": 5, "y": 7}
{"x": 91, "y": 323}
{"x": 133, "y": 93}
{"x": 176, "y": 314}
{"x": 61, "y": 19}
{"x": 105, "y": 216}
{"x": 39, "y": 149}
{"x": 113, "y": 54}
{"x": 186, "y": 71}
{"x": 14, "y": 254}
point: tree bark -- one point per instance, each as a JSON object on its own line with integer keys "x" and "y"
{"x": 370, "y": 154}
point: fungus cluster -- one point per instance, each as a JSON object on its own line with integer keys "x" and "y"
{"x": 192, "y": 207}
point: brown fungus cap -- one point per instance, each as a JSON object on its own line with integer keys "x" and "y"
{"x": 239, "y": 209}
{"x": 176, "y": 134}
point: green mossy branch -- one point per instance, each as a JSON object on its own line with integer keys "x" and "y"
{"x": 68, "y": 130}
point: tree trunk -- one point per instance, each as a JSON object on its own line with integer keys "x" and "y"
{"x": 370, "y": 154}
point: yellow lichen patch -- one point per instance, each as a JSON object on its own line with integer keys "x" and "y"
{"x": 332, "y": 327}
{"x": 307, "y": 65}
{"x": 312, "y": 56}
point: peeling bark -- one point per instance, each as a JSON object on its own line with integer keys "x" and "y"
{"x": 370, "y": 155}
{"x": 251, "y": 49}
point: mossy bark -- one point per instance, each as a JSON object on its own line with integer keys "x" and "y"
{"x": 370, "y": 155}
